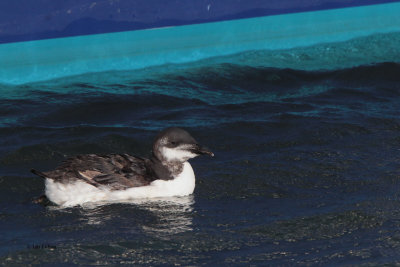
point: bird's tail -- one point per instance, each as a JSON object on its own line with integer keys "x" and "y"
{"x": 38, "y": 173}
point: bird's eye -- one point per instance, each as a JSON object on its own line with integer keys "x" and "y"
{"x": 173, "y": 143}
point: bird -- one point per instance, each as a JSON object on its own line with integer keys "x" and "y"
{"x": 120, "y": 177}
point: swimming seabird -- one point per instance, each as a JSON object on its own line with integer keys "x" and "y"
{"x": 114, "y": 177}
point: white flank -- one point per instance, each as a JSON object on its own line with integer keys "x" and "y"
{"x": 79, "y": 192}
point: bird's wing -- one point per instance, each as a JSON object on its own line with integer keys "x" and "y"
{"x": 115, "y": 171}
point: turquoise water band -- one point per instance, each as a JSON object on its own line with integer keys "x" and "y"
{"x": 32, "y": 61}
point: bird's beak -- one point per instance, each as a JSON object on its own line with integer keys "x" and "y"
{"x": 198, "y": 149}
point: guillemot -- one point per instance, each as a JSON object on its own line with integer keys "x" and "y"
{"x": 114, "y": 177}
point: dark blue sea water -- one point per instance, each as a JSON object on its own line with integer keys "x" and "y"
{"x": 306, "y": 172}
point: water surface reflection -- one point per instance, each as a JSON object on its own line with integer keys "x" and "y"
{"x": 158, "y": 217}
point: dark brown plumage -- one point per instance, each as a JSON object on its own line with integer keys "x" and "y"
{"x": 116, "y": 171}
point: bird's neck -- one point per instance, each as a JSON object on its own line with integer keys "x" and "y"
{"x": 165, "y": 170}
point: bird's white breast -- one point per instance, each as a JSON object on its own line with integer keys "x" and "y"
{"x": 79, "y": 192}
